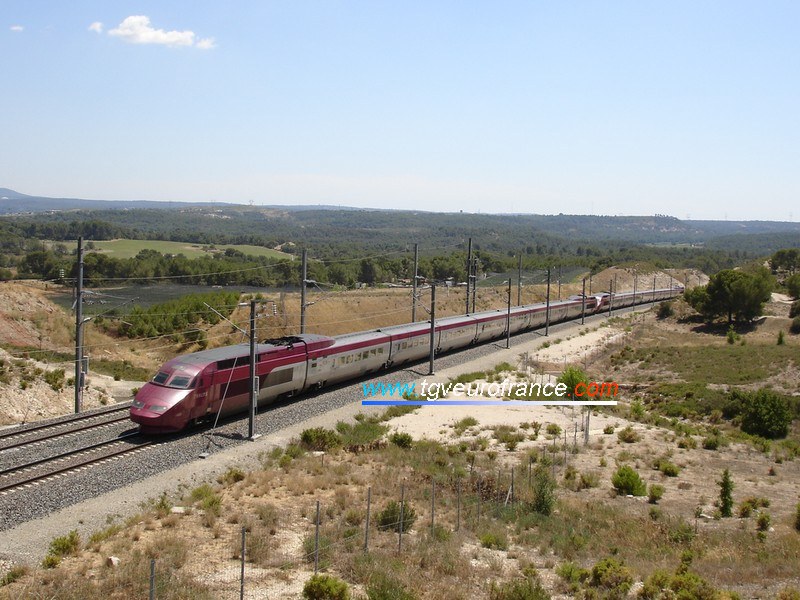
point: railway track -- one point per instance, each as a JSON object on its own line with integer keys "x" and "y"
{"x": 38, "y": 471}
{"x": 17, "y": 438}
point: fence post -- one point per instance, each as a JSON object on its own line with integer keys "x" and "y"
{"x": 433, "y": 507}
{"x": 512, "y": 486}
{"x": 366, "y": 528}
{"x": 152, "y": 578}
{"x": 402, "y": 510}
{"x": 244, "y": 548}
{"x": 316, "y": 542}
{"x": 480, "y": 501}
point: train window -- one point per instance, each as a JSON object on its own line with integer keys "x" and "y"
{"x": 161, "y": 377}
{"x": 365, "y": 355}
{"x": 181, "y": 381}
{"x": 373, "y": 352}
{"x": 314, "y": 364}
{"x": 229, "y": 363}
{"x": 349, "y": 358}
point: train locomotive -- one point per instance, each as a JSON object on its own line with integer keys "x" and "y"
{"x": 197, "y": 386}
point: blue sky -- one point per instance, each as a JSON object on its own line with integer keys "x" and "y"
{"x": 682, "y": 108}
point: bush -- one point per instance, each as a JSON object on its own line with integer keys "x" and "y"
{"x": 608, "y": 429}
{"x": 389, "y": 517}
{"x": 712, "y": 442}
{"x": 665, "y": 310}
{"x": 402, "y": 440}
{"x": 496, "y": 540}
{"x": 669, "y": 469}
{"x": 553, "y": 429}
{"x": 613, "y": 576}
{"x": 55, "y": 379}
{"x": 794, "y": 328}
{"x": 628, "y": 435}
{"x": 519, "y": 589}
{"x": 386, "y": 587}
{"x": 655, "y": 494}
{"x": 797, "y": 518}
{"x": 319, "y": 438}
{"x": 763, "y": 521}
{"x": 767, "y": 414}
{"x": 781, "y": 340}
{"x": 627, "y": 481}
{"x": 66, "y": 545}
{"x": 544, "y": 491}
{"x": 794, "y": 311}
{"x": 325, "y": 587}
{"x": 14, "y": 574}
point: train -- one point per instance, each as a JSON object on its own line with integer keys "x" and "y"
{"x": 194, "y": 387}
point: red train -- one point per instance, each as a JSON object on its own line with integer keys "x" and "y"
{"x": 189, "y": 388}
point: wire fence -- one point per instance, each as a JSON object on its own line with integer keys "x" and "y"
{"x": 264, "y": 554}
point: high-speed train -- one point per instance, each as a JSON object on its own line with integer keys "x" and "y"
{"x": 192, "y": 387}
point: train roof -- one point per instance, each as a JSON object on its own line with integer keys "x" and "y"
{"x": 204, "y": 357}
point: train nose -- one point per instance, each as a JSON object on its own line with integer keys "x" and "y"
{"x": 158, "y": 410}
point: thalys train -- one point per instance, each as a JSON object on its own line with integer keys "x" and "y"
{"x": 193, "y": 387}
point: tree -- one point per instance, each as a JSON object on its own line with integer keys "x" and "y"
{"x": 571, "y": 377}
{"x": 767, "y": 414}
{"x": 735, "y": 295}
{"x": 793, "y": 286}
{"x": 726, "y": 494}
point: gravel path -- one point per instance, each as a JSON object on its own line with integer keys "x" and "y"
{"x": 86, "y": 501}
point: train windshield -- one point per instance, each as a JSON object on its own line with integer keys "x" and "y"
{"x": 175, "y": 381}
{"x": 181, "y": 381}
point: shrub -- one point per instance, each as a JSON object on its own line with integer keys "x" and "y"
{"x": 794, "y": 328}
{"x": 781, "y": 340}
{"x": 496, "y": 540}
{"x": 665, "y": 310}
{"x": 389, "y": 517}
{"x": 325, "y": 587}
{"x": 608, "y": 429}
{"x": 386, "y": 587}
{"x": 763, "y": 521}
{"x": 797, "y": 518}
{"x": 627, "y": 481}
{"x": 669, "y": 469}
{"x": 726, "y": 494}
{"x": 628, "y": 435}
{"x": 14, "y": 574}
{"x": 544, "y": 491}
{"x": 612, "y": 575}
{"x": 655, "y": 493}
{"x": 319, "y": 438}
{"x": 65, "y": 545}
{"x": 767, "y": 414}
{"x": 232, "y": 475}
{"x": 712, "y": 442}
{"x": 519, "y": 589}
{"x": 553, "y": 429}
{"x": 794, "y": 310}
{"x": 55, "y": 379}
{"x": 687, "y": 442}
{"x": 401, "y": 439}
{"x": 464, "y": 424}
{"x": 572, "y": 574}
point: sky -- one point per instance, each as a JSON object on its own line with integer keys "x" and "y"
{"x": 687, "y": 108}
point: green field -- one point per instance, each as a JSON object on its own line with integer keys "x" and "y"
{"x": 130, "y": 248}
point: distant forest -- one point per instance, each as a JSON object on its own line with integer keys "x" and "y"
{"x": 373, "y": 246}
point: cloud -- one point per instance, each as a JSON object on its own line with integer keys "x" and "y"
{"x": 97, "y": 27}
{"x": 137, "y": 29}
{"x": 206, "y": 44}
{"x": 17, "y": 28}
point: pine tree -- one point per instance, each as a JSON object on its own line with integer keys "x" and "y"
{"x": 726, "y": 494}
